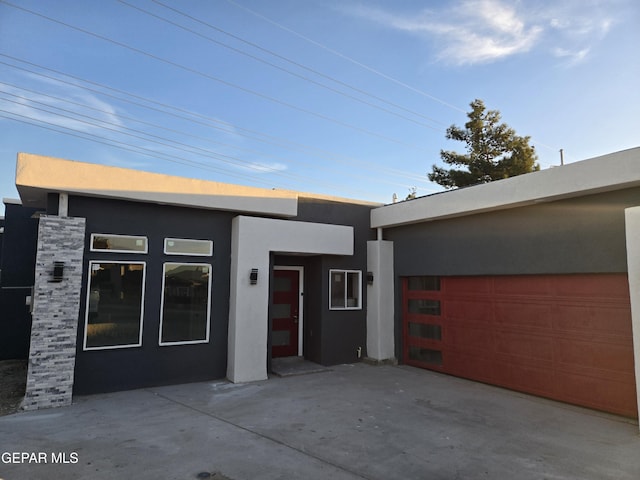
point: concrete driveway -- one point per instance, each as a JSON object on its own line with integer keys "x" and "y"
{"x": 353, "y": 422}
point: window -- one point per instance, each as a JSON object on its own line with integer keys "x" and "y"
{"x": 426, "y": 355}
{"x": 114, "y": 305}
{"x": 424, "y": 306}
{"x": 425, "y": 330}
{"x": 344, "y": 289}
{"x": 185, "y": 246}
{"x": 425, "y": 283}
{"x": 101, "y": 242}
{"x": 186, "y": 303}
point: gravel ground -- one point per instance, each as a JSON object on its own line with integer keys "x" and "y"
{"x": 13, "y": 380}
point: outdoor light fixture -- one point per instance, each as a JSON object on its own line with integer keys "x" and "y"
{"x": 58, "y": 271}
{"x": 253, "y": 276}
{"x": 370, "y": 278}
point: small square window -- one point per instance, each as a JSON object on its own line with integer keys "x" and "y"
{"x": 345, "y": 287}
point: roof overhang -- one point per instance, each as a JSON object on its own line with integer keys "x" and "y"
{"x": 37, "y": 176}
{"x": 615, "y": 171}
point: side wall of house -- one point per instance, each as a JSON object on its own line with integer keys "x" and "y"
{"x": 17, "y": 266}
{"x": 152, "y": 364}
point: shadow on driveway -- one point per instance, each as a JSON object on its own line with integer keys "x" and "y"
{"x": 352, "y": 422}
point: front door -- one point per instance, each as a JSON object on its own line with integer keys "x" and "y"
{"x": 285, "y": 313}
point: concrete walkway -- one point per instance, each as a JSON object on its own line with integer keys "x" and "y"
{"x": 353, "y": 422}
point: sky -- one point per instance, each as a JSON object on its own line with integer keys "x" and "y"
{"x": 339, "y": 97}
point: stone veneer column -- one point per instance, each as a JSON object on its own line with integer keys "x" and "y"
{"x": 56, "y": 308}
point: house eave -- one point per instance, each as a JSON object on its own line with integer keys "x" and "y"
{"x": 615, "y": 171}
{"x": 37, "y": 176}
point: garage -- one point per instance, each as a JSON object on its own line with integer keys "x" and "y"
{"x": 563, "y": 337}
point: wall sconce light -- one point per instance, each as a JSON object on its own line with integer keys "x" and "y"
{"x": 58, "y": 271}
{"x": 370, "y": 278}
{"x": 253, "y": 276}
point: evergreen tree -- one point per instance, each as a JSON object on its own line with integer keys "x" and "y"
{"x": 494, "y": 151}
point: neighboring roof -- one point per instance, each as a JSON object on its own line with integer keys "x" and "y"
{"x": 606, "y": 173}
{"x": 11, "y": 201}
{"x": 37, "y": 175}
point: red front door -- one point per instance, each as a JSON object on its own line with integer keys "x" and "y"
{"x": 284, "y": 313}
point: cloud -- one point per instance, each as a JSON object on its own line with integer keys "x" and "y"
{"x": 575, "y": 31}
{"x": 44, "y": 100}
{"x": 573, "y": 56}
{"x": 259, "y": 167}
{"x": 470, "y": 32}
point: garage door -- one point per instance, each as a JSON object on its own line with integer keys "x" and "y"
{"x": 565, "y": 337}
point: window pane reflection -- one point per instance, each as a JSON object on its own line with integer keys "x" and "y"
{"x": 186, "y": 302}
{"x": 114, "y": 310}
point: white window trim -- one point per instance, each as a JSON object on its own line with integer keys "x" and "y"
{"x": 210, "y": 242}
{"x": 208, "y": 331}
{"x": 346, "y": 272}
{"x": 86, "y": 313}
{"x": 137, "y": 237}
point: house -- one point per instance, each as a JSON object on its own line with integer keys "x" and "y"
{"x": 143, "y": 279}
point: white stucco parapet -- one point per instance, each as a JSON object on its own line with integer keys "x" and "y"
{"x": 38, "y": 175}
{"x": 597, "y": 175}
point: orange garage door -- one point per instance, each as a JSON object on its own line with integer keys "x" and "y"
{"x": 565, "y": 337}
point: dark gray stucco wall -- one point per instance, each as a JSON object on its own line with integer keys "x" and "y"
{"x": 334, "y": 336}
{"x": 582, "y": 235}
{"x": 17, "y": 267}
{"x": 151, "y": 364}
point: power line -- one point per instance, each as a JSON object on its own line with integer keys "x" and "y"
{"x": 155, "y": 138}
{"x": 203, "y": 120}
{"x": 273, "y": 65}
{"x": 286, "y": 59}
{"x": 138, "y": 134}
{"x": 216, "y": 79}
{"x": 346, "y": 57}
{"x": 118, "y": 144}
{"x": 354, "y": 61}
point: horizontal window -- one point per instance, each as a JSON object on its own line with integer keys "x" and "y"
{"x": 186, "y": 246}
{"x": 186, "y": 302}
{"x": 101, "y": 242}
{"x": 426, "y": 355}
{"x": 345, "y": 287}
{"x": 424, "y": 282}
{"x": 423, "y": 330}
{"x": 424, "y": 307}
{"x": 114, "y": 310}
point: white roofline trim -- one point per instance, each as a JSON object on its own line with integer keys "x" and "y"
{"x": 37, "y": 175}
{"x": 606, "y": 173}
